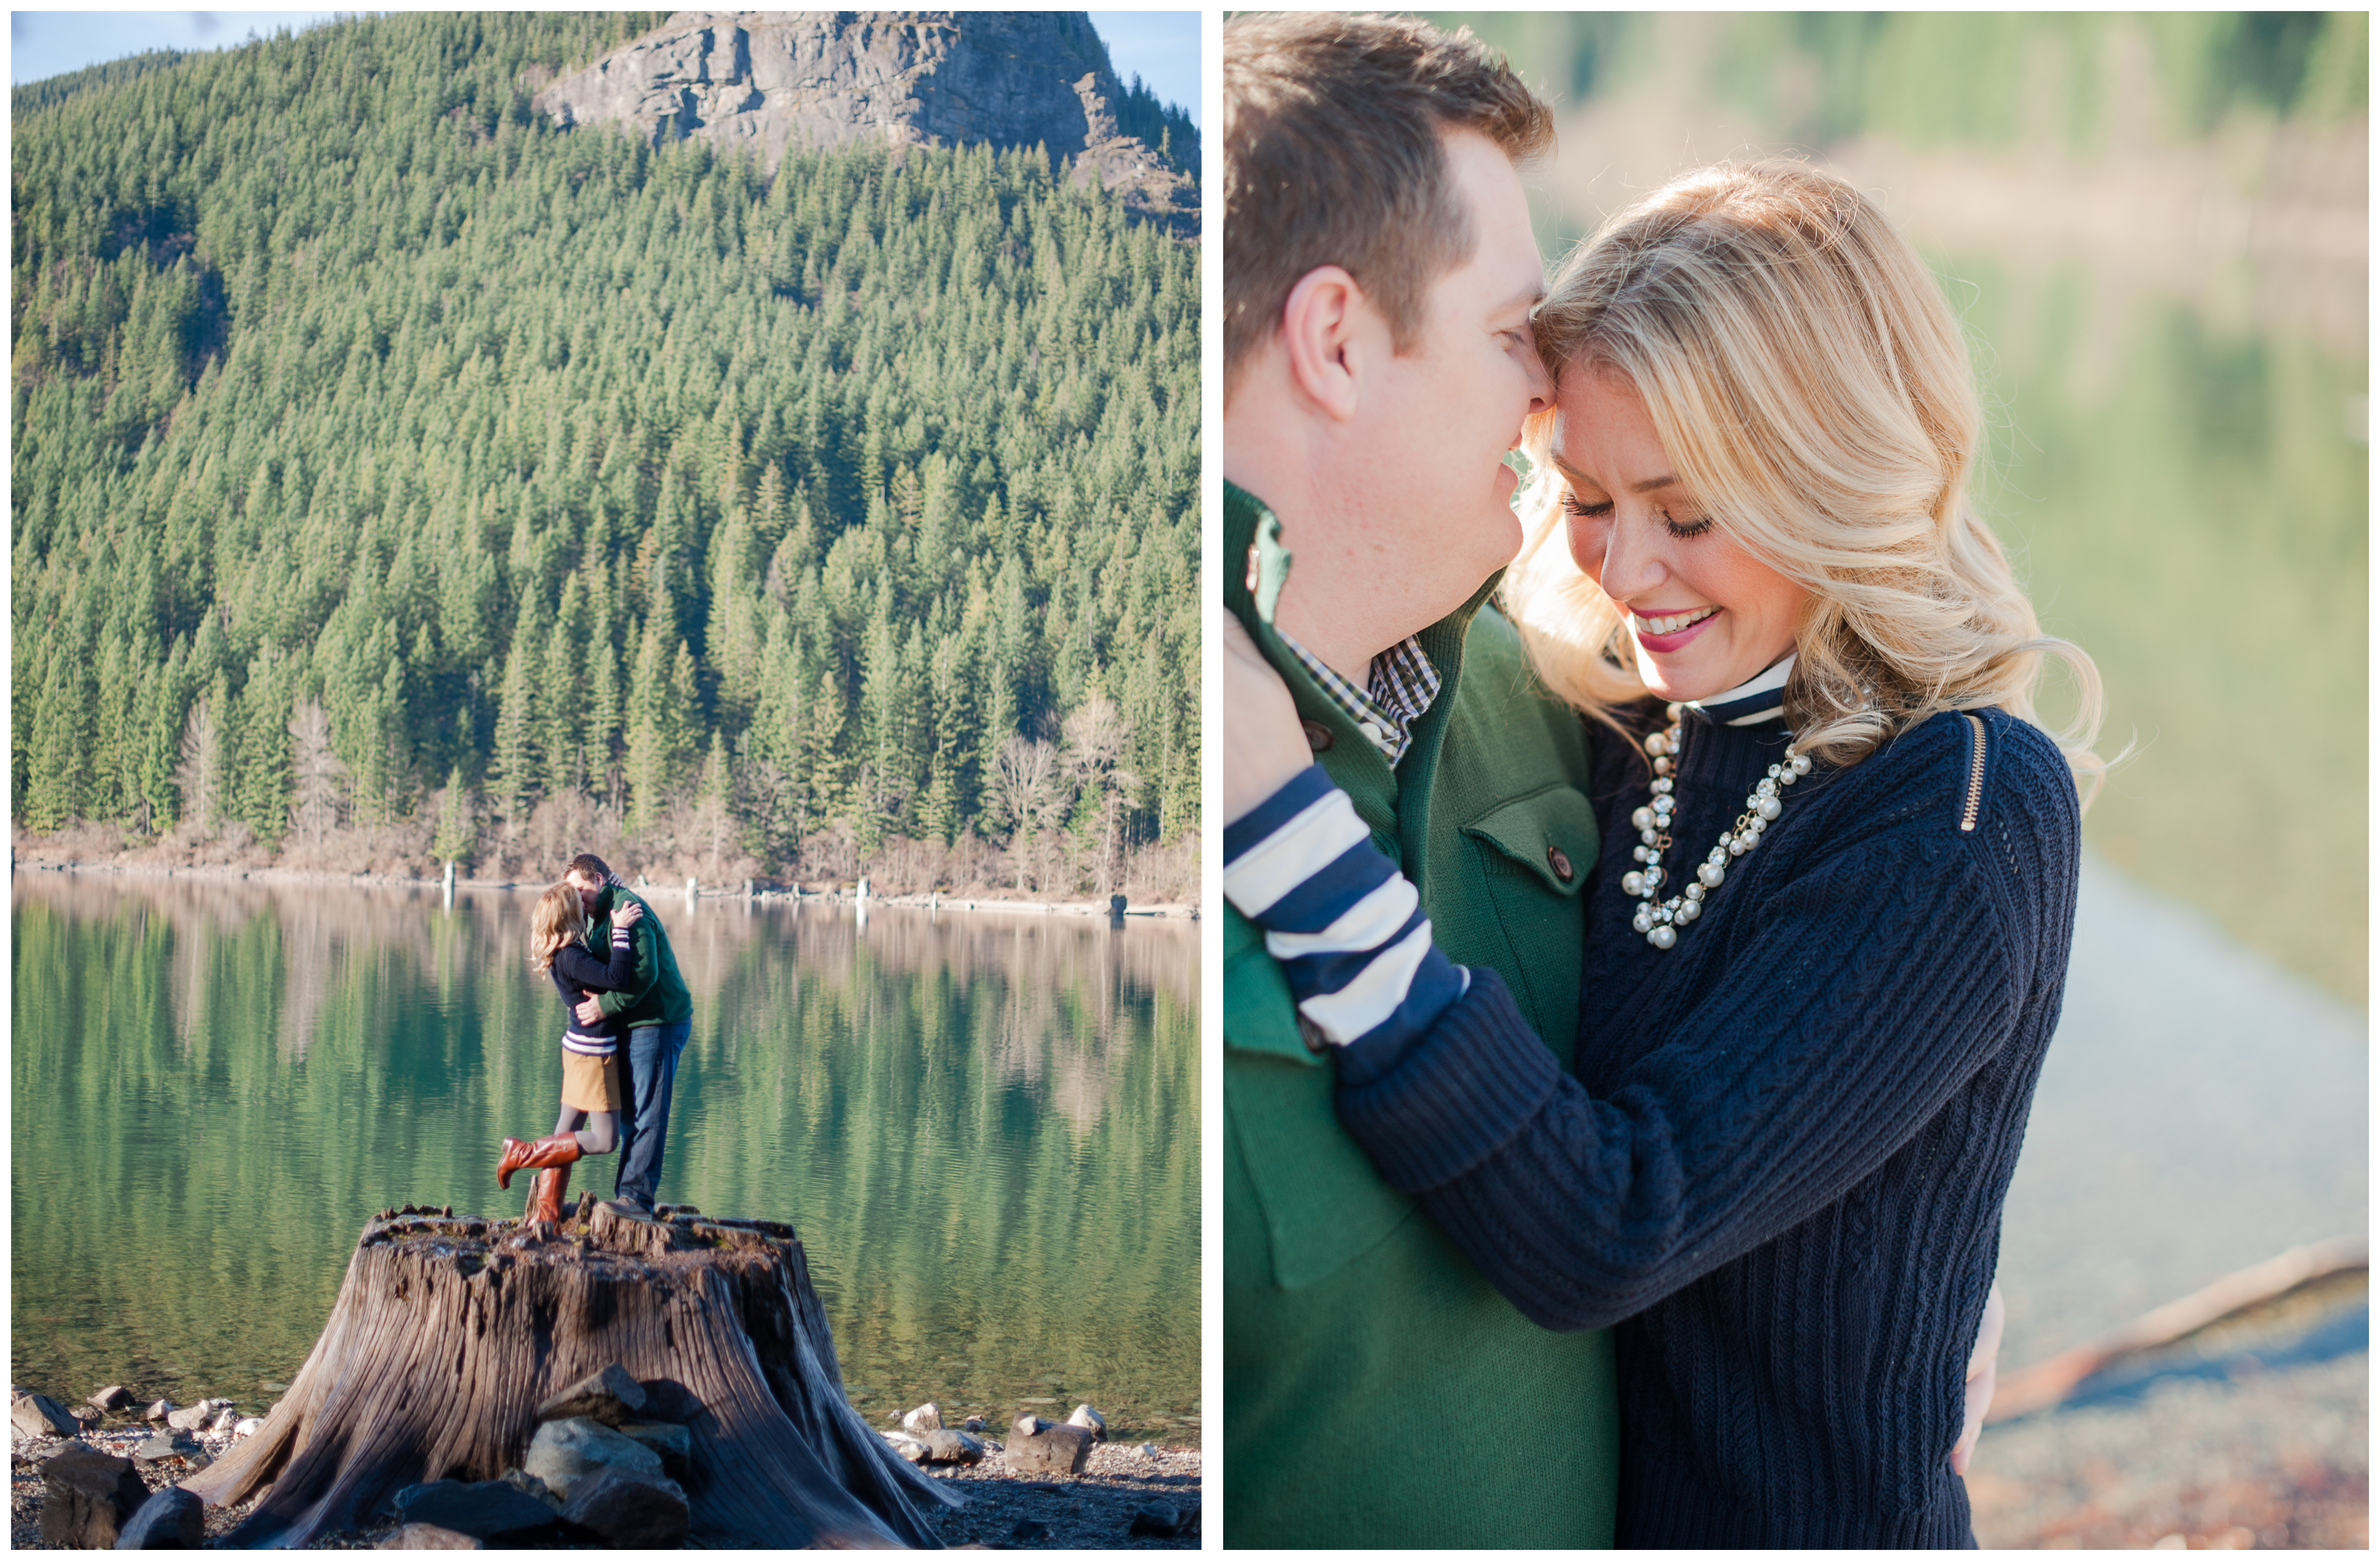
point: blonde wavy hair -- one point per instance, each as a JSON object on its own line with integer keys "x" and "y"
{"x": 554, "y": 921}
{"x": 1814, "y": 393}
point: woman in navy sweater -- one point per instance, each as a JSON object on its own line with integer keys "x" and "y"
{"x": 1828, "y": 932}
{"x": 593, "y": 1093}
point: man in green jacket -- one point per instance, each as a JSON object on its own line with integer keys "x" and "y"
{"x": 1380, "y": 273}
{"x": 660, "y": 1013}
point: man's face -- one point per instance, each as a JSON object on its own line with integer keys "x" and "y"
{"x": 1445, "y": 412}
{"x": 590, "y": 890}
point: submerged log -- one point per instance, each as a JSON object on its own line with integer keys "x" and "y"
{"x": 450, "y": 1331}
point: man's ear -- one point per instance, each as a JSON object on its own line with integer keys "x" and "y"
{"x": 1322, "y": 327}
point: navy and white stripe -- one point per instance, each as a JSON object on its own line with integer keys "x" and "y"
{"x": 573, "y": 1039}
{"x": 1762, "y": 697}
{"x": 1346, "y": 926}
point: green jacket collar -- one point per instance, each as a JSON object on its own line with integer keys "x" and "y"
{"x": 1255, "y": 567}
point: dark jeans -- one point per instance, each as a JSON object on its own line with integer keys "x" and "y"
{"x": 652, "y": 1069}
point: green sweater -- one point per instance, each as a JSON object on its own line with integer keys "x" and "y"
{"x": 1378, "y": 1392}
{"x": 655, "y": 993}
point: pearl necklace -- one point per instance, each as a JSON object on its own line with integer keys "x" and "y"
{"x": 1659, "y": 920}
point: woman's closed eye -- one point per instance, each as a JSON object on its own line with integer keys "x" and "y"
{"x": 1600, "y": 509}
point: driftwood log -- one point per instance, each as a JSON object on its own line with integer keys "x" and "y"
{"x": 2054, "y": 1381}
{"x": 449, "y": 1332}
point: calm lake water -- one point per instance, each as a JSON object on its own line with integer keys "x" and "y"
{"x": 985, "y": 1127}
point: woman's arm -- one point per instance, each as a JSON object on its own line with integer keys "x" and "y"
{"x": 1859, "y": 995}
{"x": 583, "y": 971}
{"x": 1855, "y": 1000}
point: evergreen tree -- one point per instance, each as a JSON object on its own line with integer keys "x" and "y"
{"x": 326, "y": 350}
{"x": 457, "y": 834}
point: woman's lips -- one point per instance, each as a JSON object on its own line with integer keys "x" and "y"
{"x": 1663, "y": 644}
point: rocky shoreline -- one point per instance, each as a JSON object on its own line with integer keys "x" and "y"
{"x": 1036, "y": 1489}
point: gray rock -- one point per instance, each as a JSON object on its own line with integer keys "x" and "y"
{"x": 1027, "y": 1532}
{"x": 906, "y": 1445}
{"x": 1146, "y": 1450}
{"x": 564, "y": 1452}
{"x": 225, "y": 1422}
{"x": 1048, "y": 1449}
{"x": 172, "y": 1519}
{"x": 776, "y": 80}
{"x": 160, "y": 1447}
{"x": 197, "y": 1414}
{"x": 773, "y": 81}
{"x": 158, "y": 1410}
{"x": 113, "y": 1399}
{"x": 1090, "y": 1419}
{"x": 972, "y": 1422}
{"x": 1157, "y": 1519}
{"x": 674, "y": 1443}
{"x": 495, "y": 1510}
{"x": 87, "y": 1498}
{"x": 611, "y": 1396}
{"x": 249, "y": 1427}
{"x": 629, "y": 1510}
{"x": 952, "y": 1447}
{"x": 430, "y": 1536}
{"x": 529, "y": 1485}
{"x": 923, "y": 1419}
{"x": 38, "y": 1414}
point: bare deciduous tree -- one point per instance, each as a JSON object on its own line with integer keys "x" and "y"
{"x": 1026, "y": 791}
{"x": 319, "y": 795}
{"x": 200, "y": 776}
{"x": 1097, "y": 737}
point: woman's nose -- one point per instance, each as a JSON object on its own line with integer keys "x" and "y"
{"x": 1631, "y": 566}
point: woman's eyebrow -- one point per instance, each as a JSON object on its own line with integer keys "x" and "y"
{"x": 1574, "y": 476}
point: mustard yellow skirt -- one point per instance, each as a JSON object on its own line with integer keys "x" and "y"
{"x": 593, "y": 1083}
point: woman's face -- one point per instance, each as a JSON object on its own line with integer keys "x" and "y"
{"x": 1704, "y": 614}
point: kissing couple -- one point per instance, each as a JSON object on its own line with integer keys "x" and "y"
{"x": 1650, "y": 883}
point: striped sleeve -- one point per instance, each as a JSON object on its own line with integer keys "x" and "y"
{"x": 1346, "y": 926}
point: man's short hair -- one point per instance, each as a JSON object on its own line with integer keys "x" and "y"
{"x": 588, "y": 866}
{"x": 1332, "y": 156}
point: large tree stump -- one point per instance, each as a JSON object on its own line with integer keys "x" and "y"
{"x": 450, "y": 1331}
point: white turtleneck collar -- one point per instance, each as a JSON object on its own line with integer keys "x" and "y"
{"x": 1757, "y": 699}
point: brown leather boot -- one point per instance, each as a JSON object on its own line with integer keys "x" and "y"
{"x": 545, "y": 1197}
{"x": 522, "y": 1155}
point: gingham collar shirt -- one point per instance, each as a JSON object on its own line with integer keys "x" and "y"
{"x": 1404, "y": 682}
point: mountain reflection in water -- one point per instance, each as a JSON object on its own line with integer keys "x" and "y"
{"x": 985, "y": 1126}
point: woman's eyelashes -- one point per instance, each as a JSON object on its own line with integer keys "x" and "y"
{"x": 1601, "y": 510}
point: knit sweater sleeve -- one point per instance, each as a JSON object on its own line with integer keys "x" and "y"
{"x": 574, "y": 965}
{"x": 1855, "y": 998}
{"x": 643, "y": 967}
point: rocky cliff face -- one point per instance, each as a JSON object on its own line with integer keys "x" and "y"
{"x": 775, "y": 80}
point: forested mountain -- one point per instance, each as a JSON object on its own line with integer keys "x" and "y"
{"x": 398, "y": 475}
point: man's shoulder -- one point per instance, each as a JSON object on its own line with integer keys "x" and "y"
{"x": 1505, "y": 728}
{"x": 1496, "y": 670}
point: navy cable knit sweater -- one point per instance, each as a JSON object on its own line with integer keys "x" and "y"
{"x": 1780, "y": 1165}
